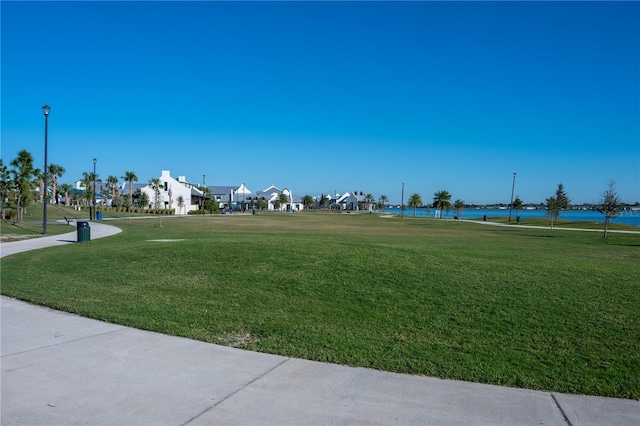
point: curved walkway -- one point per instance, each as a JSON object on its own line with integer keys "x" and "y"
{"x": 555, "y": 228}
{"x": 61, "y": 369}
{"x": 98, "y": 230}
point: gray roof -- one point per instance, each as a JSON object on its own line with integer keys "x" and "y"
{"x": 136, "y": 186}
{"x": 221, "y": 190}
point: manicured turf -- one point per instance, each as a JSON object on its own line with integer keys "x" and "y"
{"x": 529, "y": 308}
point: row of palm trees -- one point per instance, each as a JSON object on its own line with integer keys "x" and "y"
{"x": 23, "y": 183}
{"x": 112, "y": 182}
{"x": 19, "y": 181}
{"x": 441, "y": 201}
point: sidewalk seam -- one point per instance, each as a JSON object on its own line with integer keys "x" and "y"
{"x": 236, "y": 391}
{"x": 65, "y": 342}
{"x": 564, "y": 415}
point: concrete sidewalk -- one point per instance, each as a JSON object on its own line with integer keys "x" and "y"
{"x": 98, "y": 230}
{"x": 61, "y": 369}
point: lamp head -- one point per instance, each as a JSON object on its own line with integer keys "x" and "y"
{"x": 45, "y": 109}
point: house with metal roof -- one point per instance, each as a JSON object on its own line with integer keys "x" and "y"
{"x": 272, "y": 195}
{"x": 171, "y": 190}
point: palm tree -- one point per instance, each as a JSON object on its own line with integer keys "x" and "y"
{"x": 307, "y": 201}
{"x": 382, "y": 201}
{"x": 517, "y": 205}
{"x": 112, "y": 183}
{"x": 442, "y": 201}
{"x": 155, "y": 184}
{"x": 39, "y": 180}
{"x": 22, "y": 172}
{"x": 55, "y": 171}
{"x": 88, "y": 179}
{"x": 65, "y": 188}
{"x": 415, "y": 201}
{"x": 5, "y": 181}
{"x": 130, "y": 177}
{"x": 369, "y": 199}
{"x": 283, "y": 199}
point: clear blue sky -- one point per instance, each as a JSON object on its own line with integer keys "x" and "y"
{"x": 332, "y": 96}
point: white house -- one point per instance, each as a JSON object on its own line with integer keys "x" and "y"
{"x": 272, "y": 195}
{"x": 170, "y": 192}
{"x": 230, "y": 197}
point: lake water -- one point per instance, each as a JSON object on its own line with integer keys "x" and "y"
{"x": 629, "y": 217}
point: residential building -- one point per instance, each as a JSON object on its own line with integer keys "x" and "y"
{"x": 171, "y": 190}
{"x": 272, "y": 195}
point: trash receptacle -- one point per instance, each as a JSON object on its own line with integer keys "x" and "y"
{"x": 84, "y": 231}
{"x": 484, "y": 218}
{"x": 519, "y": 220}
{"x": 99, "y": 215}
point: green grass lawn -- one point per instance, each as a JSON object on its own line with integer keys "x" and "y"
{"x": 529, "y": 308}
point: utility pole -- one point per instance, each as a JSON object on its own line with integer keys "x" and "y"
{"x": 513, "y": 185}
{"x": 402, "y": 203}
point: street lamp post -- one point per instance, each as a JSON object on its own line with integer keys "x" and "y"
{"x": 402, "y": 203}
{"x": 93, "y": 208}
{"x": 203, "y": 194}
{"x": 45, "y": 109}
{"x": 513, "y": 185}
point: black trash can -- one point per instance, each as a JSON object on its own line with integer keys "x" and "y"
{"x": 84, "y": 231}
{"x": 484, "y": 218}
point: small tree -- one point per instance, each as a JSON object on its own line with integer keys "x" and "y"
{"x": 23, "y": 172}
{"x": 562, "y": 199}
{"x": 442, "y": 201}
{"x": 180, "y": 201}
{"x": 130, "y": 177}
{"x": 325, "y": 202}
{"x": 517, "y": 205}
{"x": 458, "y": 206}
{"x": 55, "y": 171}
{"x": 143, "y": 199}
{"x": 5, "y": 186}
{"x": 382, "y": 201}
{"x": 307, "y": 201}
{"x": 282, "y": 199}
{"x": 610, "y": 206}
{"x": 65, "y": 188}
{"x": 415, "y": 201}
{"x": 369, "y": 199}
{"x": 112, "y": 184}
{"x": 553, "y": 209}
{"x": 156, "y": 184}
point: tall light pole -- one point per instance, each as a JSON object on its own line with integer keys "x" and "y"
{"x": 513, "y": 185}
{"x": 45, "y": 110}
{"x": 203, "y": 194}
{"x": 402, "y": 203}
{"x": 93, "y": 208}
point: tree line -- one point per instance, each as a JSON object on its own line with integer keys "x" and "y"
{"x": 21, "y": 183}
{"x": 18, "y": 184}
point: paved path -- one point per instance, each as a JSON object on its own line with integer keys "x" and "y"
{"x": 61, "y": 369}
{"x": 98, "y": 230}
{"x": 555, "y": 228}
